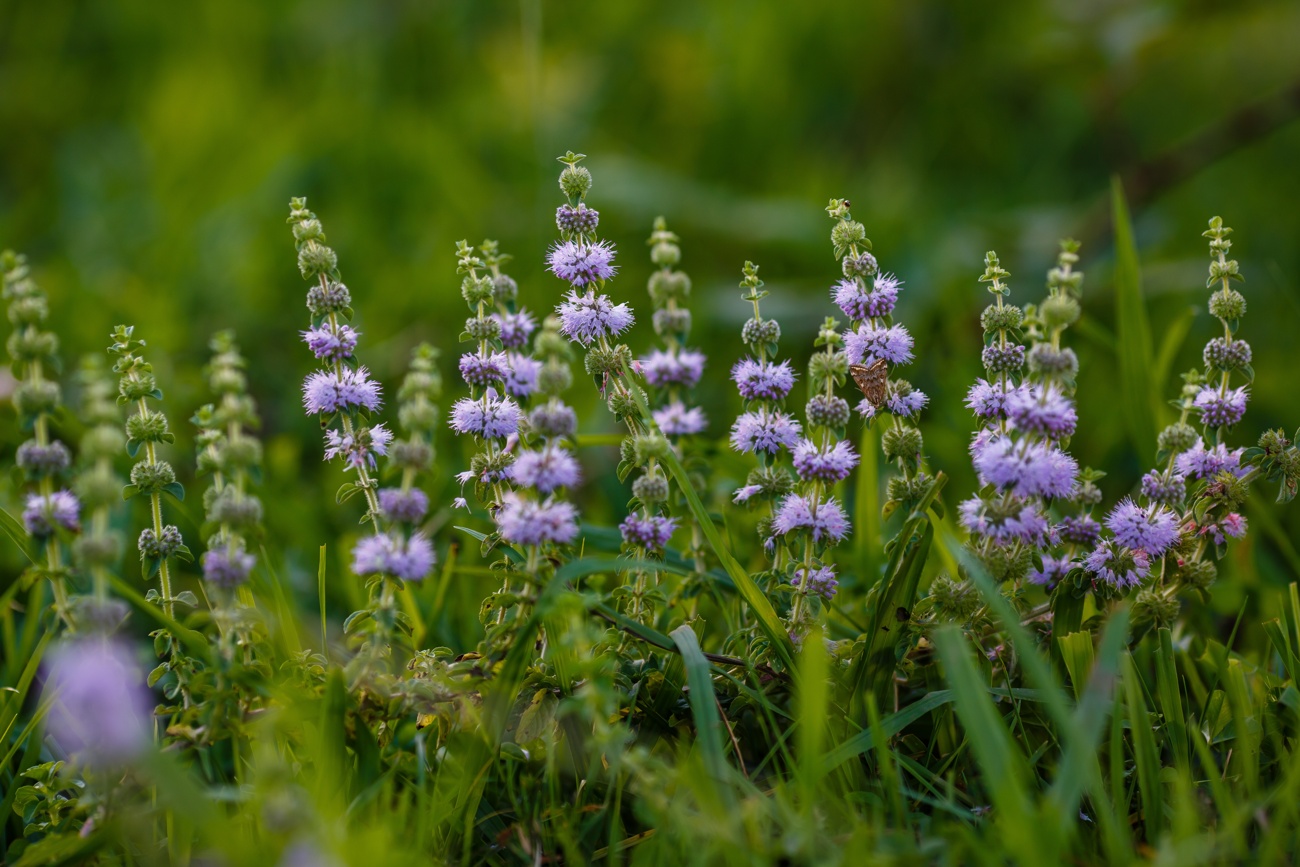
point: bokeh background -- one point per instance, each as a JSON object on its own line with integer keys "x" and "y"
{"x": 148, "y": 153}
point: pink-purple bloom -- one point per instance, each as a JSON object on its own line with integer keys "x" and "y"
{"x": 491, "y": 417}
{"x": 821, "y": 581}
{"x": 1117, "y": 565}
{"x": 328, "y": 391}
{"x": 869, "y": 343}
{"x": 389, "y": 554}
{"x": 527, "y": 522}
{"x": 521, "y": 375}
{"x": 1230, "y": 526}
{"x": 1031, "y": 469}
{"x": 228, "y": 565}
{"x": 827, "y": 522}
{"x": 764, "y": 431}
{"x": 360, "y": 447}
{"x": 1017, "y": 521}
{"x": 652, "y": 531}
{"x": 1080, "y": 530}
{"x": 545, "y": 470}
{"x": 101, "y": 709}
{"x": 580, "y": 263}
{"x": 1198, "y": 462}
{"x": 1153, "y": 530}
{"x": 676, "y": 419}
{"x": 1220, "y": 409}
{"x": 516, "y": 328}
{"x": 332, "y": 344}
{"x": 830, "y": 464}
{"x": 478, "y": 369}
{"x": 587, "y": 318}
{"x": 858, "y": 302}
{"x": 1044, "y": 411}
{"x": 683, "y": 368}
{"x": 762, "y": 380}
{"x": 43, "y": 516}
{"x": 403, "y": 505}
{"x": 988, "y": 401}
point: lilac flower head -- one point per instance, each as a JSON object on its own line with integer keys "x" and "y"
{"x": 902, "y": 405}
{"x": 1220, "y": 410}
{"x": 1198, "y": 462}
{"x": 587, "y": 318}
{"x": 796, "y": 513}
{"x": 490, "y": 418}
{"x": 358, "y": 448}
{"x": 682, "y": 368}
{"x": 743, "y": 494}
{"x": 869, "y": 343}
{"x": 821, "y": 581}
{"x": 1028, "y": 469}
{"x": 860, "y": 303}
{"x": 516, "y": 328}
{"x": 988, "y": 401}
{"x": 478, "y": 369}
{"x": 676, "y": 419}
{"x": 101, "y": 708}
{"x": 527, "y": 522}
{"x": 388, "y": 554}
{"x": 764, "y": 431}
{"x": 762, "y": 380}
{"x": 1153, "y": 530}
{"x": 227, "y": 566}
{"x": 1053, "y": 570}
{"x": 1005, "y": 522}
{"x": 43, "y": 516}
{"x": 1117, "y": 565}
{"x": 580, "y": 264}
{"x": 521, "y": 375}
{"x": 331, "y": 344}
{"x": 545, "y": 470}
{"x": 1167, "y": 491}
{"x": 651, "y": 532}
{"x": 1042, "y": 411}
{"x": 327, "y": 391}
{"x": 832, "y": 464}
{"x": 399, "y": 505}
{"x": 1079, "y": 530}
{"x": 1231, "y": 525}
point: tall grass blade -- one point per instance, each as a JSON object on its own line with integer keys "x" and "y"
{"x": 1134, "y": 344}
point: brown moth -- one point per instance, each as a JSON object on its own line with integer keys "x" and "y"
{"x": 872, "y": 379}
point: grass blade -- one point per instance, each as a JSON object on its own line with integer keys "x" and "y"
{"x": 1134, "y": 345}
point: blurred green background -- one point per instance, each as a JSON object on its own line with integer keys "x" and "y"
{"x": 148, "y": 153}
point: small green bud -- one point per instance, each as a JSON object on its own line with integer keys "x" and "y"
{"x": 33, "y": 398}
{"x": 760, "y": 332}
{"x": 315, "y": 260}
{"x": 1178, "y": 437}
{"x": 847, "y": 233}
{"x": 825, "y": 365}
{"x": 152, "y": 478}
{"x": 623, "y": 405}
{"x": 476, "y": 290}
{"x": 575, "y": 181}
{"x": 647, "y": 446}
{"x": 954, "y": 601}
{"x": 1228, "y": 304}
{"x": 1058, "y": 311}
{"x": 99, "y": 487}
{"x": 1154, "y": 607}
{"x": 665, "y": 254}
{"x": 147, "y": 426}
{"x": 672, "y": 322}
{"x": 604, "y": 362}
{"x": 1004, "y": 318}
{"x": 31, "y": 310}
{"x": 411, "y": 455}
{"x": 32, "y": 344}
{"x": 102, "y": 442}
{"x": 555, "y": 377}
{"x": 1197, "y": 573}
{"x": 134, "y": 388}
{"x": 651, "y": 488}
{"x": 331, "y": 298}
{"x": 902, "y": 443}
{"x": 483, "y": 328}
{"x": 419, "y": 415}
{"x": 1055, "y": 363}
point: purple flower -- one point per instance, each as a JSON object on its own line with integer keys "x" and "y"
{"x": 587, "y": 318}
{"x": 652, "y": 532}
{"x": 683, "y": 368}
{"x": 826, "y": 522}
{"x": 762, "y": 380}
{"x": 904, "y": 405}
{"x": 399, "y": 505}
{"x": 831, "y": 464}
{"x": 988, "y": 401}
{"x": 490, "y": 417}
{"x": 360, "y": 447}
{"x": 516, "y": 328}
{"x": 1042, "y": 411}
{"x": 527, "y": 522}
{"x": 1220, "y": 410}
{"x": 521, "y": 375}
{"x": 389, "y": 554}
{"x": 821, "y": 581}
{"x": 870, "y": 343}
{"x": 1029, "y": 469}
{"x": 478, "y": 369}
{"x": 1005, "y": 522}
{"x": 326, "y": 391}
{"x": 100, "y": 710}
{"x": 1052, "y": 571}
{"x": 227, "y": 566}
{"x": 545, "y": 470}
{"x": 1117, "y": 565}
{"x": 43, "y": 516}
{"x": 580, "y": 263}
{"x": 1198, "y": 462}
{"x": 859, "y": 303}
{"x": 1154, "y": 530}
{"x": 676, "y": 419}
{"x": 1231, "y": 525}
{"x": 764, "y": 431}
{"x": 744, "y": 494}
{"x": 1158, "y": 489}
{"x": 1079, "y": 530}
{"x": 459, "y": 503}
{"x": 331, "y": 344}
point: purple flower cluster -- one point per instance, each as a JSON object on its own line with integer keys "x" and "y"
{"x": 408, "y": 506}
{"x": 43, "y": 516}
{"x": 582, "y": 263}
{"x": 827, "y": 464}
{"x": 1053, "y": 570}
{"x": 664, "y": 368}
{"x": 1198, "y": 462}
{"x": 491, "y": 417}
{"x": 871, "y": 342}
{"x": 1020, "y": 521}
{"x": 546, "y": 470}
{"x": 676, "y": 419}
{"x": 825, "y": 522}
{"x": 589, "y": 317}
{"x": 903, "y": 405}
{"x": 764, "y": 431}
{"x": 227, "y": 566}
{"x": 988, "y": 401}
{"x": 409, "y": 559}
{"x": 360, "y": 448}
{"x": 1220, "y": 409}
{"x": 1118, "y": 566}
{"x": 516, "y": 328}
{"x": 100, "y": 709}
{"x": 821, "y": 581}
{"x": 762, "y": 380}
{"x": 1042, "y": 410}
{"x": 1153, "y": 530}
{"x": 647, "y": 531}
{"x": 1159, "y": 488}
{"x": 521, "y": 375}
{"x": 527, "y": 522}
{"x": 1029, "y": 469}
{"x": 483, "y": 369}
{"x": 1082, "y": 530}
{"x": 328, "y": 391}
{"x": 1231, "y": 525}
{"x": 859, "y": 303}
{"x": 330, "y": 343}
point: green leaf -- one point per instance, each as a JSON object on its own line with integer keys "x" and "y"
{"x": 17, "y": 534}
{"x": 1146, "y": 754}
{"x": 1133, "y": 342}
{"x": 704, "y": 709}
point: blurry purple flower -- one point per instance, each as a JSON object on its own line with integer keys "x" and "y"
{"x": 1042, "y": 411}
{"x": 44, "y": 515}
{"x": 683, "y": 368}
{"x": 227, "y": 566}
{"x": 1080, "y": 530}
{"x": 1004, "y": 523}
{"x": 651, "y": 532}
{"x": 676, "y": 419}
{"x": 827, "y": 522}
{"x": 101, "y": 708}
{"x": 399, "y": 505}
{"x": 388, "y": 554}
{"x": 744, "y": 494}
{"x": 527, "y": 522}
{"x": 1052, "y": 571}
{"x": 829, "y": 465}
{"x": 521, "y": 375}
{"x": 545, "y": 470}
{"x": 516, "y": 328}
{"x": 1117, "y": 565}
{"x": 1028, "y": 469}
